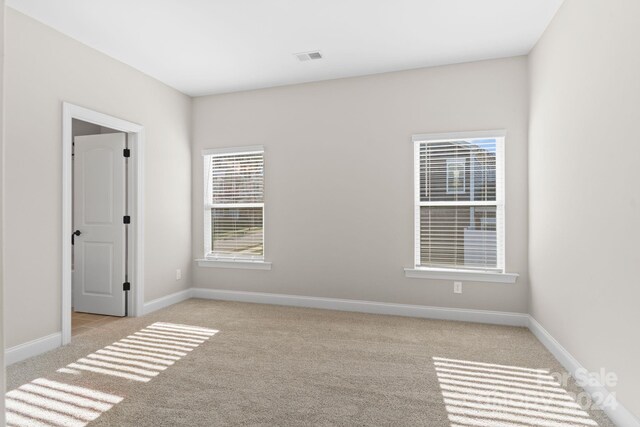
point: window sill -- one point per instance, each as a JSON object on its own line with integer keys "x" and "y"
{"x": 471, "y": 276}
{"x": 243, "y": 264}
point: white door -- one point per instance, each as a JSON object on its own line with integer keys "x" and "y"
{"x": 99, "y": 232}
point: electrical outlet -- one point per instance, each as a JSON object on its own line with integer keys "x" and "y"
{"x": 178, "y": 274}
{"x": 457, "y": 287}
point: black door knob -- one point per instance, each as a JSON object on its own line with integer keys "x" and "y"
{"x": 75, "y": 233}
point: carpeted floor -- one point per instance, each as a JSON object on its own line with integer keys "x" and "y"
{"x": 272, "y": 365}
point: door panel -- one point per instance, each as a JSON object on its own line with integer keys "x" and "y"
{"x": 98, "y": 268}
{"x": 97, "y": 191}
{"x": 99, "y": 205}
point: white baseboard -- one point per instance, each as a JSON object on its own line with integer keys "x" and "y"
{"x": 32, "y": 348}
{"x": 620, "y": 416}
{"x": 478, "y": 316}
{"x": 166, "y": 301}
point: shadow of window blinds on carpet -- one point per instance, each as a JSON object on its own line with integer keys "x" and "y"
{"x": 138, "y": 357}
{"x": 479, "y": 394}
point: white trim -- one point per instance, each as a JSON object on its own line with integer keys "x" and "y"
{"x": 465, "y": 315}
{"x": 244, "y": 264}
{"x": 137, "y": 178}
{"x": 618, "y": 414}
{"x": 136, "y": 137}
{"x": 231, "y": 150}
{"x": 32, "y": 348}
{"x": 206, "y": 198}
{"x": 433, "y": 137}
{"x": 469, "y": 275}
{"x": 233, "y": 205}
{"x": 461, "y": 203}
{"x": 501, "y": 207}
{"x": 416, "y": 206}
{"x": 167, "y": 300}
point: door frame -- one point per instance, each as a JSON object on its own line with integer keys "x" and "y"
{"x": 135, "y": 198}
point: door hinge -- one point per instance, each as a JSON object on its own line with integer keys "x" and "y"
{"x": 126, "y": 219}
{"x": 126, "y": 286}
{"x": 126, "y": 152}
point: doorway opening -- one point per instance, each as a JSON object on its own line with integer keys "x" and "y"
{"x": 102, "y": 215}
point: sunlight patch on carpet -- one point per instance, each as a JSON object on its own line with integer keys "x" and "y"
{"x": 43, "y": 402}
{"x": 144, "y": 354}
{"x": 139, "y": 357}
{"x": 480, "y": 394}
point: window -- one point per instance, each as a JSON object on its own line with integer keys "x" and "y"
{"x": 459, "y": 202}
{"x": 234, "y": 204}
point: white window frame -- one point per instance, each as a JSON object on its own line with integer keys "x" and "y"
{"x": 231, "y": 261}
{"x": 497, "y": 275}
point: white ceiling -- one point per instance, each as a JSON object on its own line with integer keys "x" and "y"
{"x": 212, "y": 46}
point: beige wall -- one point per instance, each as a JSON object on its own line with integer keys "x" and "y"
{"x": 43, "y": 69}
{"x": 584, "y": 179}
{"x": 339, "y": 179}
{"x": 2, "y": 370}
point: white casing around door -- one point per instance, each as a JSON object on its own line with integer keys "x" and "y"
{"x": 98, "y": 208}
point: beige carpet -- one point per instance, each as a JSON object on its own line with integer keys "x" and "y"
{"x": 271, "y": 365}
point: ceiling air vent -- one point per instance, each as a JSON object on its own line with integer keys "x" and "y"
{"x": 306, "y": 56}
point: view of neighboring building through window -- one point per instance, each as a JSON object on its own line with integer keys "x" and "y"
{"x": 234, "y": 204}
{"x": 459, "y": 202}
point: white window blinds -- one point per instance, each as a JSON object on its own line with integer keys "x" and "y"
{"x": 459, "y": 202}
{"x": 234, "y": 204}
